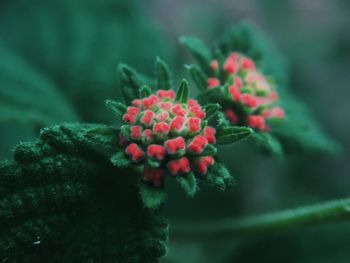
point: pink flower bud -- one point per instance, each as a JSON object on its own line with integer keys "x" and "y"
{"x": 192, "y": 103}
{"x": 231, "y": 66}
{"x": 194, "y": 124}
{"x": 180, "y": 165}
{"x": 162, "y": 116}
{"x": 209, "y": 134}
{"x": 213, "y": 82}
{"x": 235, "y": 93}
{"x": 177, "y": 123}
{"x": 133, "y": 110}
{"x": 214, "y": 64}
{"x": 156, "y": 151}
{"x": 137, "y": 103}
{"x": 178, "y": 110}
{"x": 154, "y": 175}
{"x": 198, "y": 144}
{"x": 277, "y": 112}
{"x": 257, "y": 122}
{"x": 197, "y": 112}
{"x": 149, "y": 102}
{"x": 161, "y": 128}
{"x": 247, "y": 64}
{"x": 231, "y": 116}
{"x": 148, "y": 135}
{"x": 135, "y": 132}
{"x": 135, "y": 152}
{"x": 201, "y": 164}
{"x": 129, "y": 118}
{"x": 166, "y": 94}
{"x": 249, "y": 100}
{"x": 147, "y": 118}
{"x": 174, "y": 145}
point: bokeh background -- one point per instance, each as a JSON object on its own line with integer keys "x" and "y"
{"x": 67, "y": 52}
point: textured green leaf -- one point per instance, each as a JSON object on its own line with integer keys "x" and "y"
{"x": 198, "y": 77}
{"x": 120, "y": 160}
{"x": 145, "y": 91}
{"x": 199, "y": 50}
{"x": 268, "y": 143}
{"x": 151, "y": 197}
{"x": 209, "y": 150}
{"x": 218, "y": 176}
{"x": 62, "y": 200}
{"x": 211, "y": 110}
{"x": 28, "y": 96}
{"x": 231, "y": 134}
{"x": 188, "y": 183}
{"x": 129, "y": 82}
{"x": 163, "y": 75}
{"x": 117, "y": 108}
{"x": 182, "y": 93}
{"x": 299, "y": 132}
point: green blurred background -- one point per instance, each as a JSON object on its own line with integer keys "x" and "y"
{"x": 58, "y": 61}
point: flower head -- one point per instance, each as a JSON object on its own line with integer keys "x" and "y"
{"x": 251, "y": 98}
{"x": 168, "y": 135}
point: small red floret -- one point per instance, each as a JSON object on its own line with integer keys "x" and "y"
{"x": 177, "y": 123}
{"x": 174, "y": 145}
{"x": 135, "y": 132}
{"x": 198, "y": 144}
{"x": 209, "y": 134}
{"x": 150, "y": 101}
{"x": 166, "y": 94}
{"x": 154, "y": 175}
{"x": 135, "y": 152}
{"x": 129, "y": 118}
{"x": 148, "y": 135}
{"x": 179, "y": 110}
{"x": 180, "y": 165}
{"x": 201, "y": 164}
{"x": 147, "y": 118}
{"x": 231, "y": 65}
{"x": 235, "y": 93}
{"x": 231, "y": 116}
{"x": 257, "y": 122}
{"x": 214, "y": 64}
{"x": 247, "y": 64}
{"x": 249, "y": 100}
{"x": 197, "y": 111}
{"x": 213, "y": 82}
{"x": 133, "y": 110}
{"x": 156, "y": 151}
{"x": 161, "y": 128}
{"x": 194, "y": 124}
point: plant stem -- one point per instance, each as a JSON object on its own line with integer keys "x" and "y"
{"x": 331, "y": 211}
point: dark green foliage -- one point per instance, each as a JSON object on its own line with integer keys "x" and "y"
{"x": 62, "y": 200}
{"x": 199, "y": 50}
{"x": 129, "y": 82}
{"x": 182, "y": 93}
{"x": 219, "y": 177}
{"x": 231, "y": 134}
{"x": 163, "y": 75}
{"x": 198, "y": 76}
{"x": 25, "y": 93}
{"x": 188, "y": 183}
{"x": 117, "y": 108}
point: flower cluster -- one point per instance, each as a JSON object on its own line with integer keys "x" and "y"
{"x": 250, "y": 98}
{"x": 167, "y": 136}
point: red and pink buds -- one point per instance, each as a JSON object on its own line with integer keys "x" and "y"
{"x": 251, "y": 96}
{"x": 167, "y": 136}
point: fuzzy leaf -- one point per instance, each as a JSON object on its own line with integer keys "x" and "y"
{"x": 61, "y": 200}
{"x": 117, "y": 108}
{"x": 268, "y": 143}
{"x": 211, "y": 95}
{"x": 120, "y": 160}
{"x": 28, "y": 96}
{"x": 151, "y": 197}
{"x": 198, "y": 77}
{"x": 163, "y": 75}
{"x": 145, "y": 91}
{"x": 129, "y": 82}
{"x": 231, "y": 134}
{"x": 182, "y": 93}
{"x": 218, "y": 176}
{"x": 211, "y": 110}
{"x": 188, "y": 183}
{"x": 199, "y": 50}
{"x": 209, "y": 150}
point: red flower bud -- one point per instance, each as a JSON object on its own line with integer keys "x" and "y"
{"x": 154, "y": 175}
{"x": 178, "y": 110}
{"x": 180, "y": 165}
{"x": 214, "y": 64}
{"x": 235, "y": 93}
{"x": 163, "y": 94}
{"x": 162, "y": 116}
{"x": 177, "y": 123}
{"x": 257, "y": 121}
{"x": 148, "y": 134}
{"x": 231, "y": 116}
{"x": 129, "y": 118}
{"x": 147, "y": 117}
{"x": 161, "y": 128}
{"x": 156, "y": 151}
{"x": 194, "y": 124}
{"x": 197, "y": 111}
{"x": 149, "y": 102}
{"x": 133, "y": 110}
{"x": 201, "y": 164}
{"x": 249, "y": 100}
{"x": 213, "y": 82}
{"x": 209, "y": 134}
{"x": 198, "y": 144}
{"x": 247, "y": 64}
{"x": 135, "y": 132}
{"x": 174, "y": 145}
{"x": 135, "y": 152}
{"x": 231, "y": 66}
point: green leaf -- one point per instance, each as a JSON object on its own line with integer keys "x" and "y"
{"x": 218, "y": 176}
{"x": 188, "y": 183}
{"x": 199, "y": 50}
{"x": 151, "y": 197}
{"x": 163, "y": 75}
{"x": 211, "y": 95}
{"x": 129, "y": 82}
{"x": 182, "y": 93}
{"x": 28, "y": 96}
{"x": 231, "y": 134}
{"x": 268, "y": 143}
{"x": 198, "y": 77}
{"x": 117, "y": 108}
{"x": 211, "y": 110}
{"x": 121, "y": 160}
{"x": 299, "y": 132}
{"x": 209, "y": 150}
{"x": 62, "y": 201}
{"x": 145, "y": 91}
